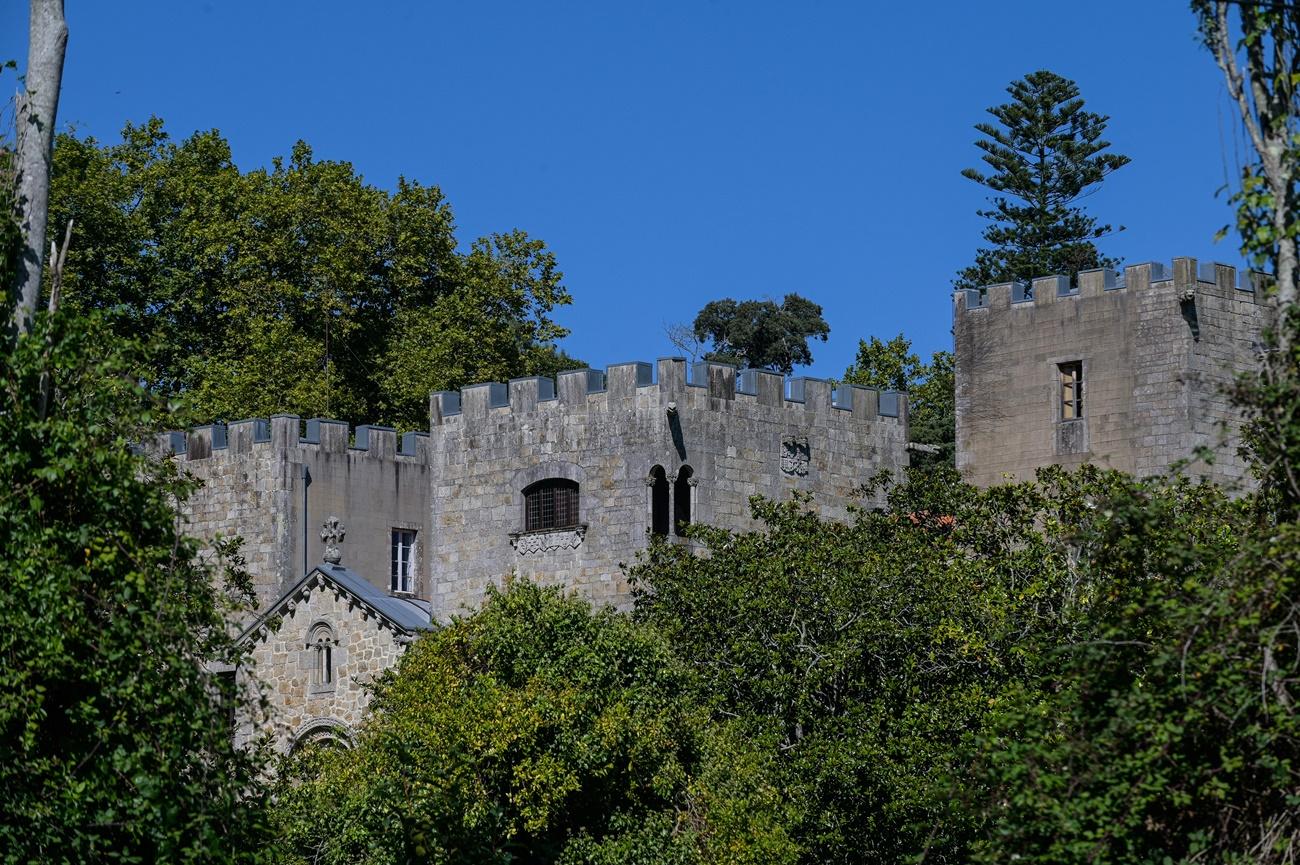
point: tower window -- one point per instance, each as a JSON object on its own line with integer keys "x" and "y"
{"x": 403, "y": 561}
{"x": 551, "y": 504}
{"x": 683, "y": 485}
{"x": 1071, "y": 378}
{"x": 659, "y": 500}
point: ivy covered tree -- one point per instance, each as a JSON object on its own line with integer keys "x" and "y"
{"x": 762, "y": 334}
{"x": 1043, "y": 154}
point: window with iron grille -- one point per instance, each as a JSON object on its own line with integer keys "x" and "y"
{"x": 403, "y": 561}
{"x": 551, "y": 504}
{"x": 1071, "y": 377}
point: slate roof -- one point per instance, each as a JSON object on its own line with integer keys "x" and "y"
{"x": 406, "y": 616}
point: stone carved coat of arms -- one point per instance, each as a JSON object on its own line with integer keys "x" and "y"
{"x": 794, "y": 455}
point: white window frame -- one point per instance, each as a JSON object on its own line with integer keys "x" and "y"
{"x": 402, "y": 570}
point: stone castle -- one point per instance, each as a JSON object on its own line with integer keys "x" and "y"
{"x": 563, "y": 481}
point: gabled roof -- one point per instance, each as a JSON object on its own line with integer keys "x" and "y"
{"x": 404, "y": 616}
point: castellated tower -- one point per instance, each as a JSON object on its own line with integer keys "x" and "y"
{"x": 556, "y": 481}
{"x": 1124, "y": 371}
{"x": 564, "y": 484}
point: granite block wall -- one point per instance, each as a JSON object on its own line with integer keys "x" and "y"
{"x": 284, "y": 661}
{"x": 275, "y": 482}
{"x": 1158, "y": 348}
{"x": 606, "y": 432}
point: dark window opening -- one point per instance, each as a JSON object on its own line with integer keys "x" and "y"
{"x": 682, "y": 498}
{"x": 551, "y": 504}
{"x": 658, "y": 501}
{"x": 1071, "y": 375}
{"x": 228, "y": 692}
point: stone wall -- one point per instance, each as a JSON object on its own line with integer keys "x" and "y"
{"x": 284, "y": 661}
{"x": 606, "y": 431}
{"x": 1157, "y": 347}
{"x": 275, "y": 482}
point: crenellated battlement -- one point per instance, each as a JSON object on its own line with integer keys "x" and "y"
{"x": 286, "y": 431}
{"x": 714, "y": 386}
{"x": 1128, "y": 370}
{"x": 1191, "y": 277}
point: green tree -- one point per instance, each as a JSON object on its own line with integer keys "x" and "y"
{"x": 762, "y": 334}
{"x": 300, "y": 288}
{"x": 931, "y": 400}
{"x": 1044, "y": 154}
{"x": 532, "y": 731}
{"x": 1169, "y": 732}
{"x": 115, "y": 743}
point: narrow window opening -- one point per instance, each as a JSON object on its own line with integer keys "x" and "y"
{"x": 322, "y": 647}
{"x": 682, "y": 498}
{"x": 403, "y": 561}
{"x": 1071, "y": 378}
{"x": 659, "y": 500}
{"x": 551, "y": 504}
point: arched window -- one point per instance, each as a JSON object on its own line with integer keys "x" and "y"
{"x": 551, "y": 503}
{"x": 659, "y": 500}
{"x": 321, "y": 644}
{"x": 683, "y": 485}
{"x": 322, "y": 733}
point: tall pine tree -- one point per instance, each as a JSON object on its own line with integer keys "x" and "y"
{"x": 1044, "y": 154}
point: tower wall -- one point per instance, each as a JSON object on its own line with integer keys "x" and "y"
{"x": 740, "y": 435}
{"x": 1157, "y": 347}
{"x": 273, "y": 482}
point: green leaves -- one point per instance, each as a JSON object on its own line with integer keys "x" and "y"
{"x": 762, "y": 334}
{"x": 535, "y": 729}
{"x": 114, "y": 741}
{"x": 299, "y": 289}
{"x": 1045, "y": 152}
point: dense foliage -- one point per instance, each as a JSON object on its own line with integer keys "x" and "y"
{"x": 1074, "y": 669}
{"x": 761, "y": 334}
{"x": 533, "y": 731}
{"x": 115, "y": 741}
{"x": 1044, "y": 153}
{"x": 931, "y": 400}
{"x": 299, "y": 289}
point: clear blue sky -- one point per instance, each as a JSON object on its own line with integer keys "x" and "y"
{"x": 676, "y": 152}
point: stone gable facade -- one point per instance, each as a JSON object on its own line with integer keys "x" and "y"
{"x": 316, "y": 651}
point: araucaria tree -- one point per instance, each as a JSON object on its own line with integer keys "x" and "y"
{"x": 1044, "y": 154}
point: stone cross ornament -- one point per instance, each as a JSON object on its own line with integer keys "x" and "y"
{"x": 332, "y": 533}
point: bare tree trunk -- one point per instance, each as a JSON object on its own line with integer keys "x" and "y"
{"x": 1264, "y": 91}
{"x": 36, "y": 113}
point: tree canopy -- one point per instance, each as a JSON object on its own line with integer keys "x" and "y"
{"x": 298, "y": 288}
{"x": 115, "y": 739}
{"x": 931, "y": 401}
{"x": 533, "y": 731}
{"x": 1043, "y": 154}
{"x": 762, "y": 334}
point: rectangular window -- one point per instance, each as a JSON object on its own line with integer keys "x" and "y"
{"x": 1071, "y": 375}
{"x": 403, "y": 572}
